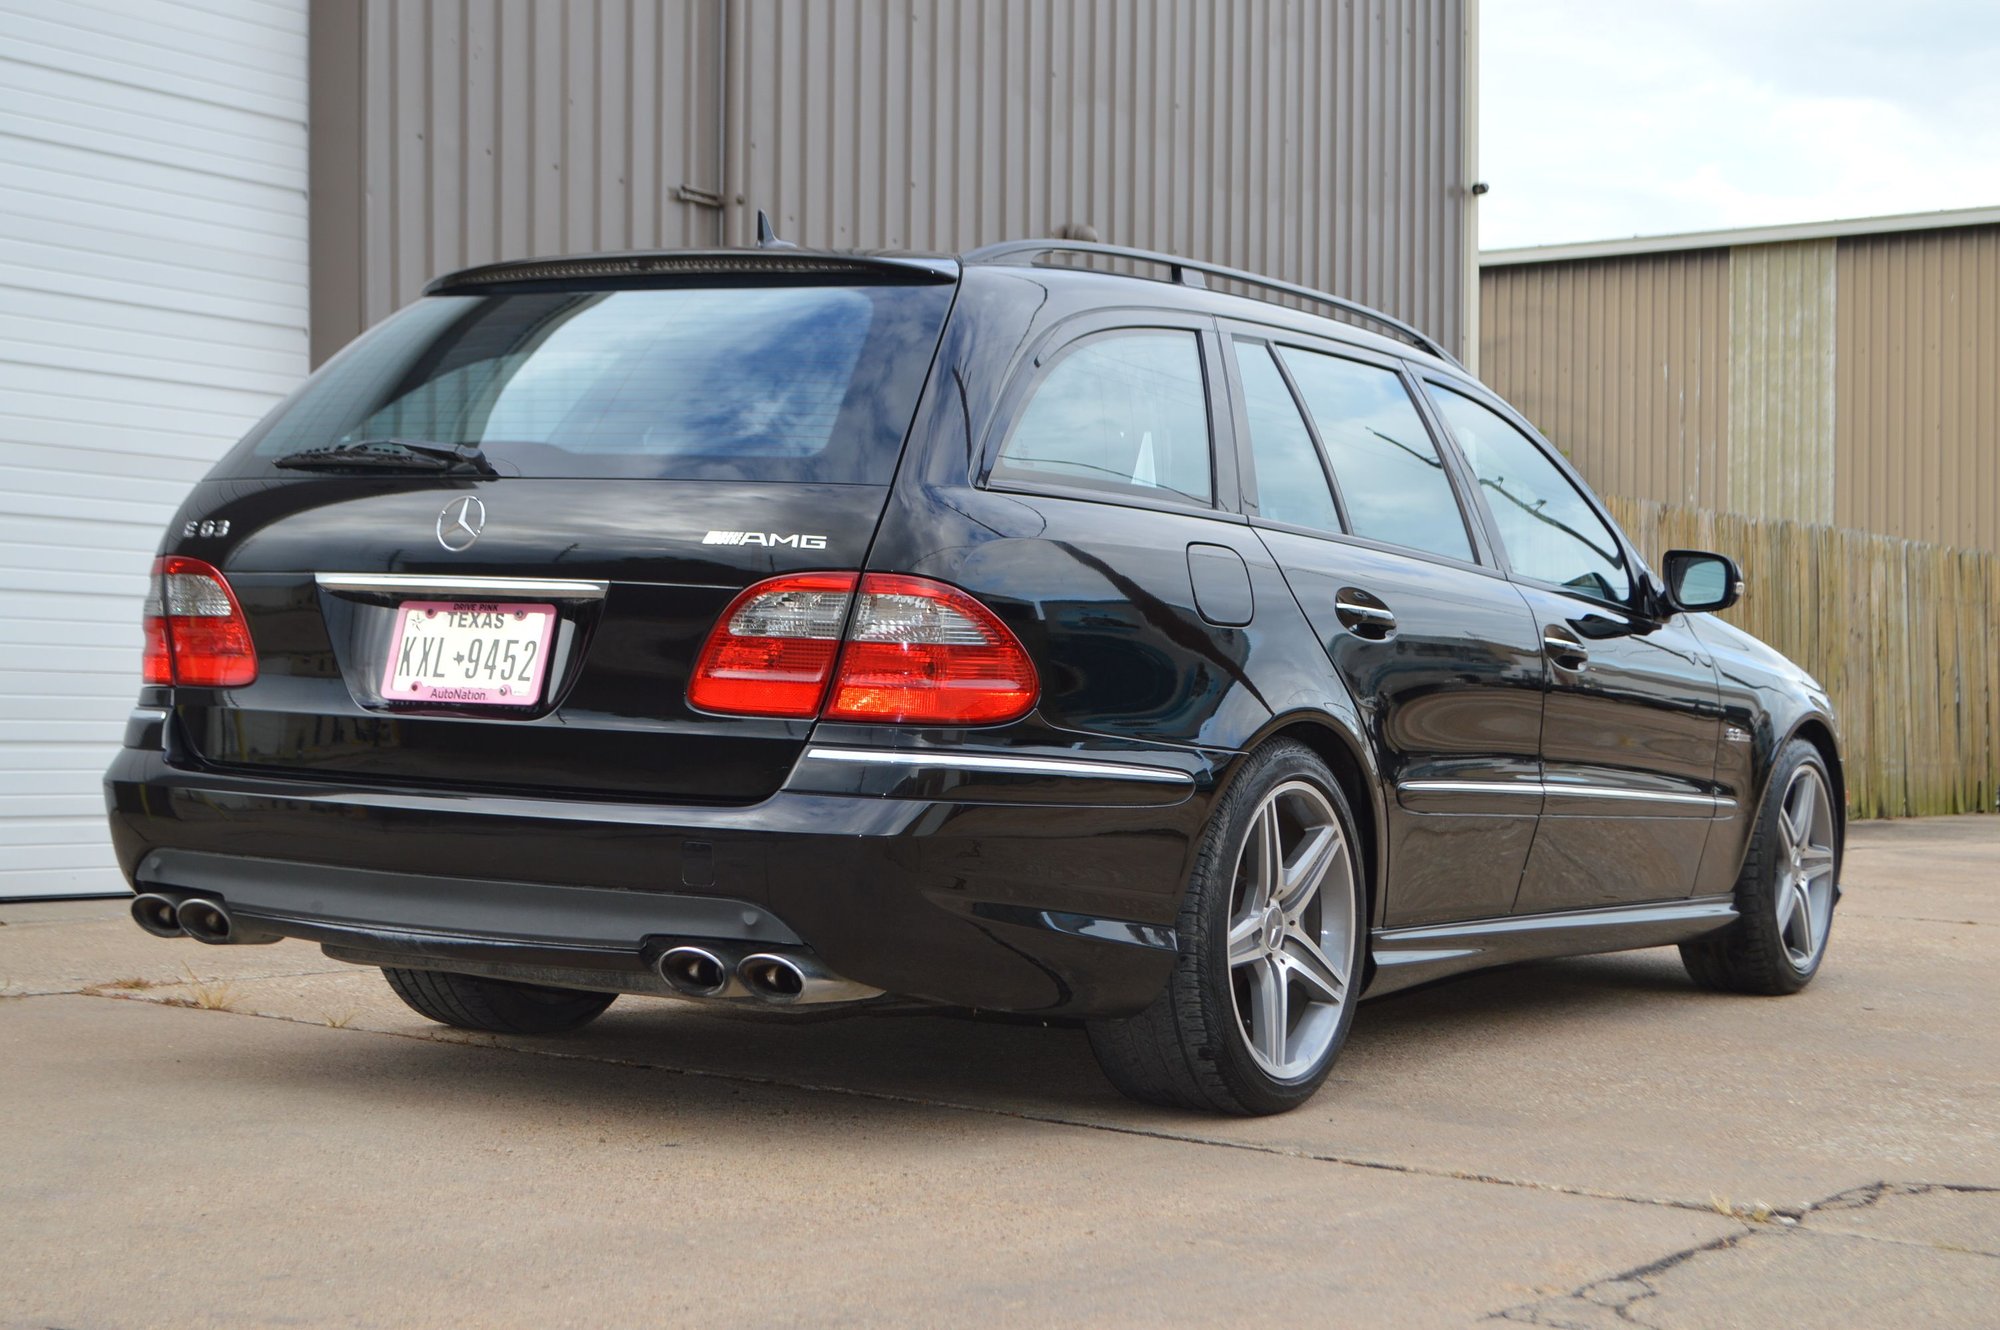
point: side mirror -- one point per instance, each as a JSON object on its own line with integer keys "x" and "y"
{"x": 1698, "y": 581}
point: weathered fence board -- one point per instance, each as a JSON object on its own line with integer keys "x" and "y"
{"x": 1905, "y": 636}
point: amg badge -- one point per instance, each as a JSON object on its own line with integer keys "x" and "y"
{"x": 793, "y": 539}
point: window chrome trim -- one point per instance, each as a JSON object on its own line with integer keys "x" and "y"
{"x": 1714, "y": 802}
{"x": 1015, "y": 766}
{"x": 463, "y": 586}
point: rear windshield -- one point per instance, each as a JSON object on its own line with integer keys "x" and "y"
{"x": 795, "y": 383}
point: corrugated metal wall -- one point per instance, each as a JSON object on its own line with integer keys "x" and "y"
{"x": 1321, "y": 143}
{"x": 1781, "y": 373}
{"x": 454, "y": 132}
{"x": 1623, "y": 364}
{"x": 1852, "y": 381}
{"x": 1917, "y": 417}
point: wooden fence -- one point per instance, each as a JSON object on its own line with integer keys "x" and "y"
{"x": 1905, "y": 636}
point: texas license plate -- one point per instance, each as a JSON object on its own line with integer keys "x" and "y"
{"x": 469, "y": 653}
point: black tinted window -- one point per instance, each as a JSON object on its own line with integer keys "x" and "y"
{"x": 1548, "y": 531}
{"x": 751, "y": 383}
{"x": 1388, "y": 469}
{"x": 1291, "y": 482}
{"x": 1126, "y": 411}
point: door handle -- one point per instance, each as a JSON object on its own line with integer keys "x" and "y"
{"x": 1363, "y": 615}
{"x": 1564, "y": 649}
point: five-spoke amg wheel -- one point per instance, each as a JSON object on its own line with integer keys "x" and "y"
{"x": 1263, "y": 991}
{"x": 1785, "y": 895}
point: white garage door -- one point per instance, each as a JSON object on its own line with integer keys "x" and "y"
{"x": 152, "y": 307}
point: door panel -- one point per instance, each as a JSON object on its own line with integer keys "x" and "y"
{"x": 1452, "y": 698}
{"x": 1630, "y": 727}
{"x": 1628, "y": 757}
{"x": 1440, "y": 655}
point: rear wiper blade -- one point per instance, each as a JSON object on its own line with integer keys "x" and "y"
{"x": 389, "y": 455}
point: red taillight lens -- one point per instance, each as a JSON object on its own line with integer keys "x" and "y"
{"x": 918, "y": 652}
{"x": 923, "y": 653}
{"x": 772, "y": 651}
{"x": 195, "y": 631}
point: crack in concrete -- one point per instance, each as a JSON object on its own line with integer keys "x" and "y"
{"x": 1622, "y": 1295}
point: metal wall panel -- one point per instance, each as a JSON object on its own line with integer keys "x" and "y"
{"x": 1917, "y": 432}
{"x": 455, "y": 132}
{"x": 1852, "y": 381}
{"x": 1623, "y": 363}
{"x": 1781, "y": 363}
{"x": 153, "y": 265}
{"x": 1322, "y": 143}
{"x": 1315, "y": 142}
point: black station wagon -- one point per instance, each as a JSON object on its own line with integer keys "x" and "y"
{"x": 1050, "y": 629}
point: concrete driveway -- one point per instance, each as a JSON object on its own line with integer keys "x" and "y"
{"x": 258, "y": 1136}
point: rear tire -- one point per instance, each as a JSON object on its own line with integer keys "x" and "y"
{"x": 1271, "y": 935}
{"x": 501, "y": 1006}
{"x": 1785, "y": 893}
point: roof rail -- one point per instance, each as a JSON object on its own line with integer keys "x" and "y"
{"x": 1189, "y": 272}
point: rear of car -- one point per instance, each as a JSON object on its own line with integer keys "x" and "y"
{"x": 536, "y": 636}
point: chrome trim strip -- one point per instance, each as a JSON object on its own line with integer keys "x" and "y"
{"x": 147, "y": 716}
{"x": 1714, "y": 802}
{"x": 1019, "y": 766}
{"x": 464, "y": 586}
{"x": 1636, "y": 796}
{"x": 1692, "y": 909}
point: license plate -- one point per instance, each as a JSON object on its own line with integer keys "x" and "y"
{"x": 469, "y": 653}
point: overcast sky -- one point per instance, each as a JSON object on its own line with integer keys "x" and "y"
{"x": 1612, "y": 118}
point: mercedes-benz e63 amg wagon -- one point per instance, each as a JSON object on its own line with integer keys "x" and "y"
{"x": 1043, "y": 630}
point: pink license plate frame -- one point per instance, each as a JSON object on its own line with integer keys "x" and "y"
{"x": 429, "y": 663}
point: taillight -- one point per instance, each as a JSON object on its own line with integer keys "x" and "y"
{"x": 923, "y": 653}
{"x": 917, "y": 652}
{"x": 195, "y": 631}
{"x": 772, "y": 651}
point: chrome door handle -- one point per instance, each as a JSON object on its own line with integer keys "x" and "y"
{"x": 1564, "y": 650}
{"x": 1363, "y": 615}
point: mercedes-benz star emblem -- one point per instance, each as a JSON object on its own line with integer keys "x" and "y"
{"x": 460, "y": 523}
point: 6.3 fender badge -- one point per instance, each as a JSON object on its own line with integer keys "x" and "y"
{"x": 460, "y": 523}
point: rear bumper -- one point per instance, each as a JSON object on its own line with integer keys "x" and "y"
{"x": 950, "y": 881}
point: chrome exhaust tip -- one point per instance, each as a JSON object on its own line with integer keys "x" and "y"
{"x": 157, "y": 914}
{"x": 205, "y": 921}
{"x": 773, "y": 978}
{"x": 797, "y": 981}
{"x": 210, "y": 921}
{"x": 695, "y": 972}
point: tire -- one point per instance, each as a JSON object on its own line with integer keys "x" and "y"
{"x": 1259, "y": 1035}
{"x": 1786, "y": 892}
{"x": 501, "y": 1006}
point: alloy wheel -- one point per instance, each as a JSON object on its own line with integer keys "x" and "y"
{"x": 1805, "y": 868}
{"x": 1292, "y": 921}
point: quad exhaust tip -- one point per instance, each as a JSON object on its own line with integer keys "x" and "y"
{"x": 785, "y": 980}
{"x": 695, "y": 972}
{"x": 157, "y": 914}
{"x": 205, "y": 921}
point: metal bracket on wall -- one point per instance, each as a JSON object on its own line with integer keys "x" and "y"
{"x": 707, "y": 198}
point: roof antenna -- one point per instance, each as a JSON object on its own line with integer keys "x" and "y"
{"x": 767, "y": 235}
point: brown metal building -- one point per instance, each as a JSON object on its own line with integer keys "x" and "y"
{"x": 1325, "y": 144}
{"x": 1843, "y": 373}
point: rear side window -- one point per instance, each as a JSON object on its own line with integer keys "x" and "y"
{"x": 1291, "y": 482}
{"x": 1384, "y": 460}
{"x": 744, "y": 383}
{"x": 1125, "y": 412}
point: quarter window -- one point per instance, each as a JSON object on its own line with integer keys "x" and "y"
{"x": 1126, "y": 412}
{"x": 1384, "y": 460}
{"x": 1291, "y": 482}
{"x": 1548, "y": 530}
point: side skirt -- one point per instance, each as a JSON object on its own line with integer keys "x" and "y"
{"x": 1408, "y": 956}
